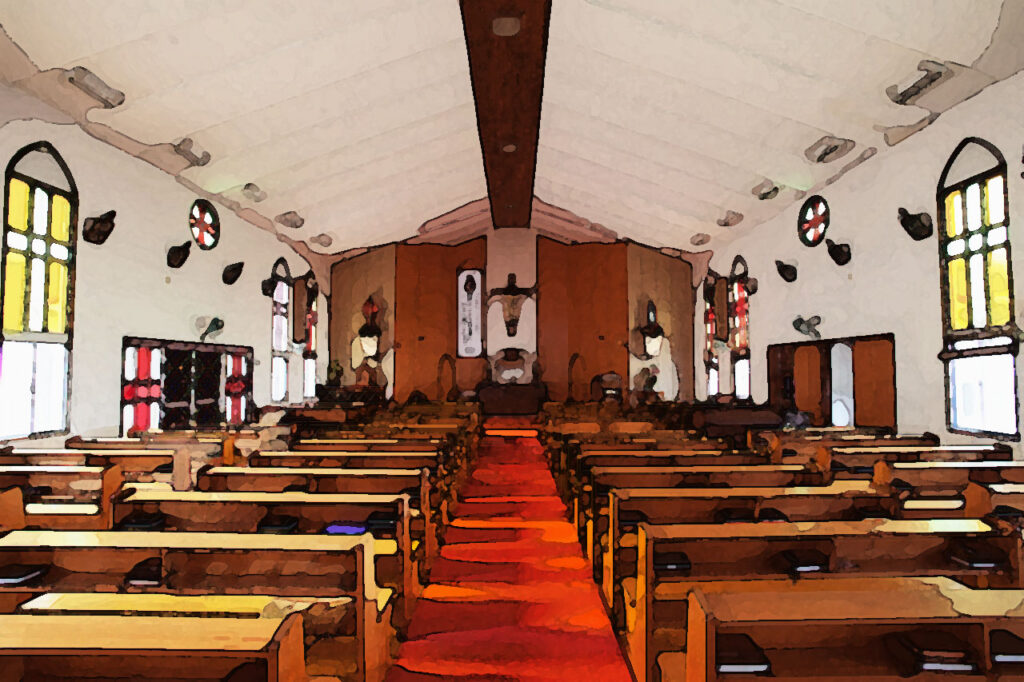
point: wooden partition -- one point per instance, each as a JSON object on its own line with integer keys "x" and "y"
{"x": 582, "y": 310}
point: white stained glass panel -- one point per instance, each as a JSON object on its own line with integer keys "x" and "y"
{"x": 973, "y": 199}
{"x": 280, "y": 332}
{"x": 281, "y": 292}
{"x": 154, "y": 415}
{"x": 995, "y": 200}
{"x": 16, "y": 360}
{"x": 741, "y": 378}
{"x": 983, "y": 394}
{"x": 712, "y": 382}
{"x": 131, "y": 360}
{"x": 278, "y": 378}
{"x": 154, "y": 363}
{"x": 37, "y": 296}
{"x": 997, "y": 236}
{"x": 16, "y": 240}
{"x": 975, "y": 242}
{"x": 40, "y": 212}
{"x": 978, "y": 312}
{"x": 127, "y": 418}
{"x": 955, "y": 248}
{"x": 51, "y": 387}
{"x": 59, "y": 251}
{"x": 309, "y": 377}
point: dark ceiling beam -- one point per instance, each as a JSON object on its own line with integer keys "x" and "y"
{"x": 507, "y": 41}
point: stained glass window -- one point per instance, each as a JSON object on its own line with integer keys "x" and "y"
{"x": 813, "y": 221}
{"x": 281, "y": 290}
{"x": 309, "y": 355}
{"x": 36, "y": 292}
{"x": 204, "y": 223}
{"x": 710, "y": 328}
{"x": 979, "y": 334}
{"x": 739, "y": 323}
{"x": 171, "y": 385}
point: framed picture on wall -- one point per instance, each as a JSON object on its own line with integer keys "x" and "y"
{"x": 470, "y": 306}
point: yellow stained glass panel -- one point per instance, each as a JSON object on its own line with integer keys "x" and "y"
{"x": 998, "y": 288}
{"x": 17, "y": 205}
{"x": 958, "y": 315}
{"x": 57, "y": 298}
{"x": 60, "y": 219}
{"x": 954, "y": 215}
{"x": 14, "y": 292}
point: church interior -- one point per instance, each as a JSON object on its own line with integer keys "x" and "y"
{"x": 511, "y": 340}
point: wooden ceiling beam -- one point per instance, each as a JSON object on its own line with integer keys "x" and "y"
{"x": 506, "y": 41}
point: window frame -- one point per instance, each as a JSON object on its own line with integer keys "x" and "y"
{"x": 65, "y": 339}
{"x": 739, "y": 277}
{"x": 950, "y": 336}
{"x": 226, "y": 352}
{"x": 280, "y": 272}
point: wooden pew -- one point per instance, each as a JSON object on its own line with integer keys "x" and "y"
{"x": 780, "y": 444}
{"x": 337, "y": 573}
{"x": 136, "y": 465}
{"x": 845, "y": 629}
{"x": 247, "y": 512}
{"x": 368, "y": 444}
{"x": 357, "y": 459}
{"x": 628, "y": 506}
{"x": 416, "y": 483}
{"x": 77, "y": 647}
{"x": 12, "y": 509}
{"x": 672, "y": 558}
{"x": 77, "y": 497}
{"x": 589, "y": 503}
{"x": 854, "y": 461}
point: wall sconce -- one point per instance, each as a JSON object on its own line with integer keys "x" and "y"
{"x": 652, "y": 332}
{"x": 370, "y": 331}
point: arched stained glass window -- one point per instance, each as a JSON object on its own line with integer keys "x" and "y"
{"x": 979, "y": 333}
{"x": 281, "y": 295}
{"x": 739, "y": 321}
{"x": 204, "y": 223}
{"x": 36, "y": 292}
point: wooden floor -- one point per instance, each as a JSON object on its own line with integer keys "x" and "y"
{"x": 511, "y": 596}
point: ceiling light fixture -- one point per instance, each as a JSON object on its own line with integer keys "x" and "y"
{"x": 253, "y": 192}
{"x": 184, "y": 149}
{"x": 322, "y": 239}
{"x": 92, "y": 85}
{"x": 731, "y": 218}
{"x": 509, "y": 148}
{"x": 765, "y": 190}
{"x": 700, "y": 239}
{"x": 505, "y": 27}
{"x": 828, "y": 149}
{"x": 290, "y": 219}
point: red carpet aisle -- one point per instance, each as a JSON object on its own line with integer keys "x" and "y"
{"x": 511, "y": 597}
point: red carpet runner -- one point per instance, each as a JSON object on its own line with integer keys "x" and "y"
{"x": 510, "y": 597}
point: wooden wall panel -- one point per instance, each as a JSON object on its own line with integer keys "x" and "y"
{"x": 874, "y": 383}
{"x": 582, "y": 308}
{"x": 668, "y": 282}
{"x": 807, "y": 380}
{"x": 553, "y": 295}
{"x": 426, "y": 314}
{"x": 352, "y": 281}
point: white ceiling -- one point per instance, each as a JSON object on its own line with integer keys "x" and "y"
{"x": 658, "y": 115}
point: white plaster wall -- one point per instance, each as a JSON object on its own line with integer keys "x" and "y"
{"x": 124, "y": 287}
{"x": 892, "y": 283}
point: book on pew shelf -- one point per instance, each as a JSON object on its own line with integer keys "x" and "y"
{"x": 734, "y": 515}
{"x": 630, "y": 519}
{"x": 278, "y": 524}
{"x": 803, "y": 561}
{"x": 862, "y": 513}
{"x": 921, "y": 651}
{"x": 382, "y": 521}
{"x": 21, "y": 574}
{"x": 672, "y": 563}
{"x": 35, "y": 492}
{"x": 165, "y": 468}
{"x": 770, "y": 515}
{"x": 341, "y": 528}
{"x": 736, "y": 653}
{"x": 143, "y": 521}
{"x": 976, "y": 556}
{"x": 146, "y": 573}
{"x": 1006, "y": 647}
{"x": 297, "y": 488}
